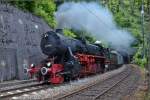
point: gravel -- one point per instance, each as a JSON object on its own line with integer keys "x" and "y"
{"x": 15, "y": 82}
{"x": 93, "y": 91}
{"x": 18, "y": 86}
{"x": 127, "y": 87}
{"x": 65, "y": 88}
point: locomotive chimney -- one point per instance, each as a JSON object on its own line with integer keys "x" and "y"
{"x": 60, "y": 31}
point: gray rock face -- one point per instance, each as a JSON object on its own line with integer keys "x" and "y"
{"x": 20, "y": 34}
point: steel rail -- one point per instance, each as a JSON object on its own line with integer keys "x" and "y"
{"x": 20, "y": 87}
{"x": 86, "y": 87}
{"x": 22, "y": 91}
{"x": 104, "y": 92}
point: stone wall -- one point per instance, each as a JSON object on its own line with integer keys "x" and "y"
{"x": 20, "y": 34}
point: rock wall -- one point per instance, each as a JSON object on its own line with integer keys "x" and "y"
{"x": 20, "y": 34}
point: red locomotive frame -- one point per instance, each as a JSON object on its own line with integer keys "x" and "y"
{"x": 91, "y": 65}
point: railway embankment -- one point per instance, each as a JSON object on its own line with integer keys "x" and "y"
{"x": 116, "y": 85}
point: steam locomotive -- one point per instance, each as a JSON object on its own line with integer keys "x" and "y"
{"x": 70, "y": 58}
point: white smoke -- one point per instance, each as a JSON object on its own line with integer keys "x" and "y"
{"x": 94, "y": 19}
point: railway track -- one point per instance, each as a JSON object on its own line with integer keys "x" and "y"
{"x": 105, "y": 91}
{"x": 126, "y": 87}
{"x": 16, "y": 82}
{"x": 17, "y": 91}
{"x": 97, "y": 89}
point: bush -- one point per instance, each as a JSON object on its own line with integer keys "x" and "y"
{"x": 139, "y": 58}
{"x": 42, "y": 8}
{"x": 69, "y": 33}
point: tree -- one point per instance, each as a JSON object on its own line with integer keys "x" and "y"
{"x": 148, "y": 6}
{"x": 42, "y": 8}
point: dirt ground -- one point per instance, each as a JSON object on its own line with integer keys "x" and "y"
{"x": 141, "y": 91}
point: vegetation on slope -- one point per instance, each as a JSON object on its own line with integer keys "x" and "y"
{"x": 127, "y": 14}
{"x": 42, "y": 8}
{"x": 46, "y": 10}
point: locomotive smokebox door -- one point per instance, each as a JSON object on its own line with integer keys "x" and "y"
{"x": 51, "y": 44}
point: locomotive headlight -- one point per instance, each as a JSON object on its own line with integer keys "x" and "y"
{"x": 106, "y": 66}
{"x": 48, "y": 64}
{"x": 32, "y": 65}
{"x": 45, "y": 35}
{"x": 44, "y": 70}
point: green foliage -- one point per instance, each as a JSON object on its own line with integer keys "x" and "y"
{"x": 79, "y": 35}
{"x": 126, "y": 14}
{"x": 42, "y": 8}
{"x": 139, "y": 59}
{"x": 46, "y": 9}
{"x": 90, "y": 39}
{"x": 69, "y": 33}
{"x": 83, "y": 34}
{"x": 25, "y": 5}
{"x": 122, "y": 21}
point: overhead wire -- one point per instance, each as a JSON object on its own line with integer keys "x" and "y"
{"x": 98, "y": 18}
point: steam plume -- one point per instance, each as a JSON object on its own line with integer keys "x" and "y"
{"x": 94, "y": 19}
